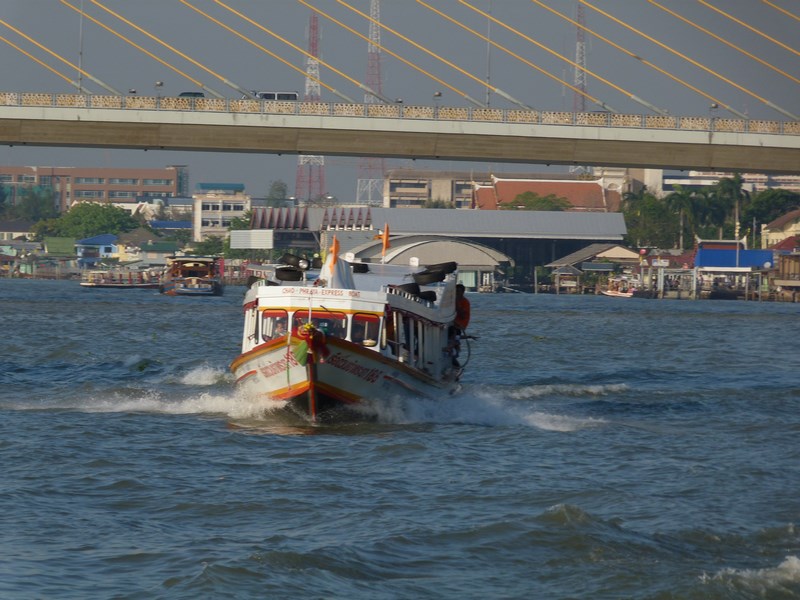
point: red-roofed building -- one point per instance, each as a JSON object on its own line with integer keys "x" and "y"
{"x": 790, "y": 244}
{"x": 783, "y": 227}
{"x": 411, "y": 188}
{"x": 590, "y": 195}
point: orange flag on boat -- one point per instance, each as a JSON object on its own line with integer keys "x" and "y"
{"x": 385, "y": 237}
{"x": 335, "y": 250}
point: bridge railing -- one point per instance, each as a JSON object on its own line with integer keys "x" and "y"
{"x": 400, "y": 111}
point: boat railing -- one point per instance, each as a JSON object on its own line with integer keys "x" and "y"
{"x": 426, "y": 301}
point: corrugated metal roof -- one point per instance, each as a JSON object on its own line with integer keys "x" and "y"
{"x": 61, "y": 246}
{"x": 581, "y": 256}
{"x": 171, "y": 224}
{"x": 433, "y": 250}
{"x": 104, "y": 239}
{"x": 227, "y": 187}
{"x": 500, "y": 223}
{"x": 452, "y": 223}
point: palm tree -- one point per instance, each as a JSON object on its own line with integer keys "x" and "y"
{"x": 683, "y": 201}
{"x": 733, "y": 197}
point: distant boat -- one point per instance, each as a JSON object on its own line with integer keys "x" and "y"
{"x": 617, "y": 293}
{"x": 192, "y": 276}
{"x": 357, "y": 333}
{"x": 122, "y": 278}
{"x": 619, "y": 287}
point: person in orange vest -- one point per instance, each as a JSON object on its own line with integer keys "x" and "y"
{"x": 462, "y": 309}
{"x": 460, "y": 323}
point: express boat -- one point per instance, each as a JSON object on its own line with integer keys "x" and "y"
{"x": 192, "y": 276}
{"x": 328, "y": 344}
{"x": 121, "y": 278}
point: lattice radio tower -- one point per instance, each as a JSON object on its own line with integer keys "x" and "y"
{"x": 578, "y": 98}
{"x": 310, "y": 181}
{"x": 371, "y": 170}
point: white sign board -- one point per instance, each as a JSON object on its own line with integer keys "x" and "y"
{"x": 252, "y": 239}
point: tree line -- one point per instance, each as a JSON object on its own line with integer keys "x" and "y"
{"x": 712, "y": 212}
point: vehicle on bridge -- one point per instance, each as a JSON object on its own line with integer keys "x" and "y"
{"x": 286, "y": 96}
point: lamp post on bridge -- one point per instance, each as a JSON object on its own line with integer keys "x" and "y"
{"x": 437, "y": 96}
{"x": 712, "y": 120}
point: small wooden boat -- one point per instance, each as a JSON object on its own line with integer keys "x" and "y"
{"x": 619, "y": 287}
{"x": 617, "y": 293}
{"x": 192, "y": 276}
{"x": 325, "y": 344}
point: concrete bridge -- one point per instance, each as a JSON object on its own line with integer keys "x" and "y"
{"x": 398, "y": 131}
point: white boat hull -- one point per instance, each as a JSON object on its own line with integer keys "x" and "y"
{"x": 356, "y": 338}
{"x": 616, "y": 294}
{"x": 332, "y": 382}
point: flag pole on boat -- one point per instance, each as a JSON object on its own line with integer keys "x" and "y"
{"x": 384, "y": 236}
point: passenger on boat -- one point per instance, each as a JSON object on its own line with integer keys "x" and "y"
{"x": 280, "y": 328}
{"x": 459, "y": 324}
{"x": 358, "y": 334}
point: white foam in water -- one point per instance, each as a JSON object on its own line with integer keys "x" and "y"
{"x": 477, "y": 408}
{"x": 764, "y": 581}
{"x": 233, "y": 405}
{"x": 205, "y": 376}
{"x": 536, "y": 391}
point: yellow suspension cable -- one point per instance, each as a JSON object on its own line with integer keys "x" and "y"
{"x": 436, "y": 56}
{"x": 163, "y": 43}
{"x": 639, "y": 58}
{"x": 783, "y": 10}
{"x": 260, "y": 47}
{"x": 42, "y": 63}
{"x": 724, "y": 41}
{"x": 691, "y": 60}
{"x": 59, "y": 57}
{"x": 134, "y": 44}
{"x": 415, "y": 44}
{"x": 394, "y": 54}
{"x": 750, "y": 27}
{"x": 305, "y": 53}
{"x": 564, "y": 58}
{"x": 504, "y": 49}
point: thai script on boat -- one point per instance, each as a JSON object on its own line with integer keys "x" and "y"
{"x": 316, "y": 291}
{"x": 279, "y": 366}
{"x": 360, "y": 371}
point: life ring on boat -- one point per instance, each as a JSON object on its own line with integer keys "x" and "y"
{"x": 428, "y": 276}
{"x": 295, "y": 261}
{"x": 288, "y": 274}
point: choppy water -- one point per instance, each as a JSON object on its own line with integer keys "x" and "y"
{"x": 602, "y": 448}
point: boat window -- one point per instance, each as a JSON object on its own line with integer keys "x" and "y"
{"x": 273, "y": 324}
{"x": 331, "y": 323}
{"x": 365, "y": 329}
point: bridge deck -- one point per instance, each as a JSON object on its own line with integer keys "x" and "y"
{"x": 449, "y": 133}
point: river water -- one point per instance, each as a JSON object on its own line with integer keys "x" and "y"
{"x": 601, "y": 448}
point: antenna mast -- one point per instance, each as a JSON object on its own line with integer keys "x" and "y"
{"x": 371, "y": 170}
{"x": 579, "y": 97}
{"x": 310, "y": 181}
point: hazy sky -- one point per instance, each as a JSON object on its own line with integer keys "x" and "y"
{"x": 614, "y": 79}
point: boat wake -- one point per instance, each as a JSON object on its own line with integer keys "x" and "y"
{"x": 210, "y": 390}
